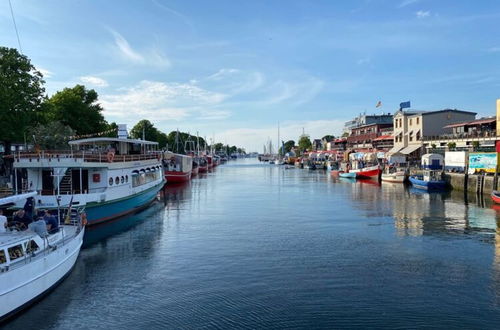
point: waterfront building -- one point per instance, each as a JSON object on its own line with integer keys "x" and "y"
{"x": 479, "y": 133}
{"x": 361, "y": 137}
{"x": 364, "y": 119}
{"x": 412, "y": 127}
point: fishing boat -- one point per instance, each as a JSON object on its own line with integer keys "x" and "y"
{"x": 194, "y": 171}
{"x": 110, "y": 177}
{"x": 370, "y": 172}
{"x": 34, "y": 261}
{"x": 495, "y": 196}
{"x": 202, "y": 165}
{"x": 351, "y": 175}
{"x": 430, "y": 180}
{"x": 393, "y": 175}
{"x": 177, "y": 167}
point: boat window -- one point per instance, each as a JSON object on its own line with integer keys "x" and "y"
{"x": 126, "y": 178}
{"x": 117, "y": 180}
{"x": 110, "y": 181}
{"x": 3, "y": 259}
{"x": 16, "y": 252}
{"x": 122, "y": 179}
{"x": 31, "y": 247}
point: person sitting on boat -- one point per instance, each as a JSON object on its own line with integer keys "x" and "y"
{"x": 51, "y": 222}
{"x": 20, "y": 221}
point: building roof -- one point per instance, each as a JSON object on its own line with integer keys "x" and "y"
{"x": 383, "y": 137}
{"x": 424, "y": 112}
{"x": 107, "y": 139}
{"x": 480, "y": 121}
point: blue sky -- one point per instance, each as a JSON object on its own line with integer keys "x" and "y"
{"x": 232, "y": 69}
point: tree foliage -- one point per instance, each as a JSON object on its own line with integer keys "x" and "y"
{"x": 288, "y": 146}
{"x": 304, "y": 143}
{"x": 52, "y": 136}
{"x": 21, "y": 95}
{"x": 328, "y": 138}
{"x": 77, "y": 108}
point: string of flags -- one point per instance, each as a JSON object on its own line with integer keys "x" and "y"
{"x": 75, "y": 137}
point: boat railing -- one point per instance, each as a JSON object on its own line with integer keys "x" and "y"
{"x": 85, "y": 156}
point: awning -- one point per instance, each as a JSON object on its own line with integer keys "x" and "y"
{"x": 393, "y": 150}
{"x": 408, "y": 150}
{"x": 383, "y": 137}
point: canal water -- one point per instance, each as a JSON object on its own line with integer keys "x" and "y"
{"x": 259, "y": 246}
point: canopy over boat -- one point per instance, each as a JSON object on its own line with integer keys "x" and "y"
{"x": 16, "y": 198}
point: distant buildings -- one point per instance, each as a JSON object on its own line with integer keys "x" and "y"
{"x": 364, "y": 119}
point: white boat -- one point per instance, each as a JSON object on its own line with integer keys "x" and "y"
{"x": 111, "y": 177}
{"x": 32, "y": 263}
{"x": 397, "y": 176}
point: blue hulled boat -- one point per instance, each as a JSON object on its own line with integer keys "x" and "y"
{"x": 351, "y": 175}
{"x": 430, "y": 180}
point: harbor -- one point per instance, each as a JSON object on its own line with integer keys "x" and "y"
{"x": 347, "y": 254}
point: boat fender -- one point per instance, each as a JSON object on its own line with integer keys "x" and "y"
{"x": 110, "y": 156}
{"x": 83, "y": 216}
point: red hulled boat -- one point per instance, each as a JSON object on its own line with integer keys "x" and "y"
{"x": 371, "y": 172}
{"x": 177, "y": 167}
{"x": 495, "y": 196}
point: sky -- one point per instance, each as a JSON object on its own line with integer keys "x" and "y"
{"x": 236, "y": 70}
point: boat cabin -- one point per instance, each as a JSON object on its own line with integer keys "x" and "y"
{"x": 433, "y": 161}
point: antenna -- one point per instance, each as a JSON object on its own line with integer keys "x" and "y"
{"x": 15, "y": 27}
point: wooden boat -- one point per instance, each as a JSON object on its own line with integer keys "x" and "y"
{"x": 430, "y": 180}
{"x": 371, "y": 172}
{"x": 351, "y": 175}
{"x": 495, "y": 196}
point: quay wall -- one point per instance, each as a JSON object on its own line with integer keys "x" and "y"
{"x": 484, "y": 184}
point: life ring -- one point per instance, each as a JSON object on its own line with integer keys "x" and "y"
{"x": 110, "y": 156}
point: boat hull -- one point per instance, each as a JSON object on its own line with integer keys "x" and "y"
{"x": 393, "y": 177}
{"x": 19, "y": 288}
{"x": 194, "y": 171}
{"x": 495, "y": 196}
{"x": 351, "y": 175}
{"x": 106, "y": 211}
{"x": 203, "y": 169}
{"x": 177, "y": 177}
{"x": 368, "y": 173}
{"x": 428, "y": 185}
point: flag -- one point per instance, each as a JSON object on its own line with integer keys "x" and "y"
{"x": 405, "y": 105}
{"x": 379, "y": 104}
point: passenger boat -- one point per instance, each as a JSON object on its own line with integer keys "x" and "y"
{"x": 495, "y": 196}
{"x": 32, "y": 261}
{"x": 430, "y": 180}
{"x": 177, "y": 167}
{"x": 110, "y": 177}
{"x": 394, "y": 176}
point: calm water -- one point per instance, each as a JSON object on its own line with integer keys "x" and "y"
{"x": 259, "y": 246}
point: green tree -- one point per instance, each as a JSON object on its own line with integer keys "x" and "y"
{"x": 288, "y": 146}
{"x": 219, "y": 147}
{"x": 52, "y": 136}
{"x": 452, "y": 145}
{"x": 77, "y": 108}
{"x": 328, "y": 138}
{"x": 21, "y": 95}
{"x": 475, "y": 145}
{"x": 144, "y": 129}
{"x": 304, "y": 143}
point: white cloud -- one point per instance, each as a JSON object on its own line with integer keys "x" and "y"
{"x": 405, "y": 3}
{"x": 159, "y": 101}
{"x": 96, "y": 81}
{"x": 151, "y": 57}
{"x": 422, "y": 14}
{"x": 252, "y": 139}
{"x": 46, "y": 73}
{"x": 213, "y": 115}
{"x": 493, "y": 50}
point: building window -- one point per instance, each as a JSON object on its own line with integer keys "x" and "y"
{"x": 418, "y": 119}
{"x": 410, "y": 121}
